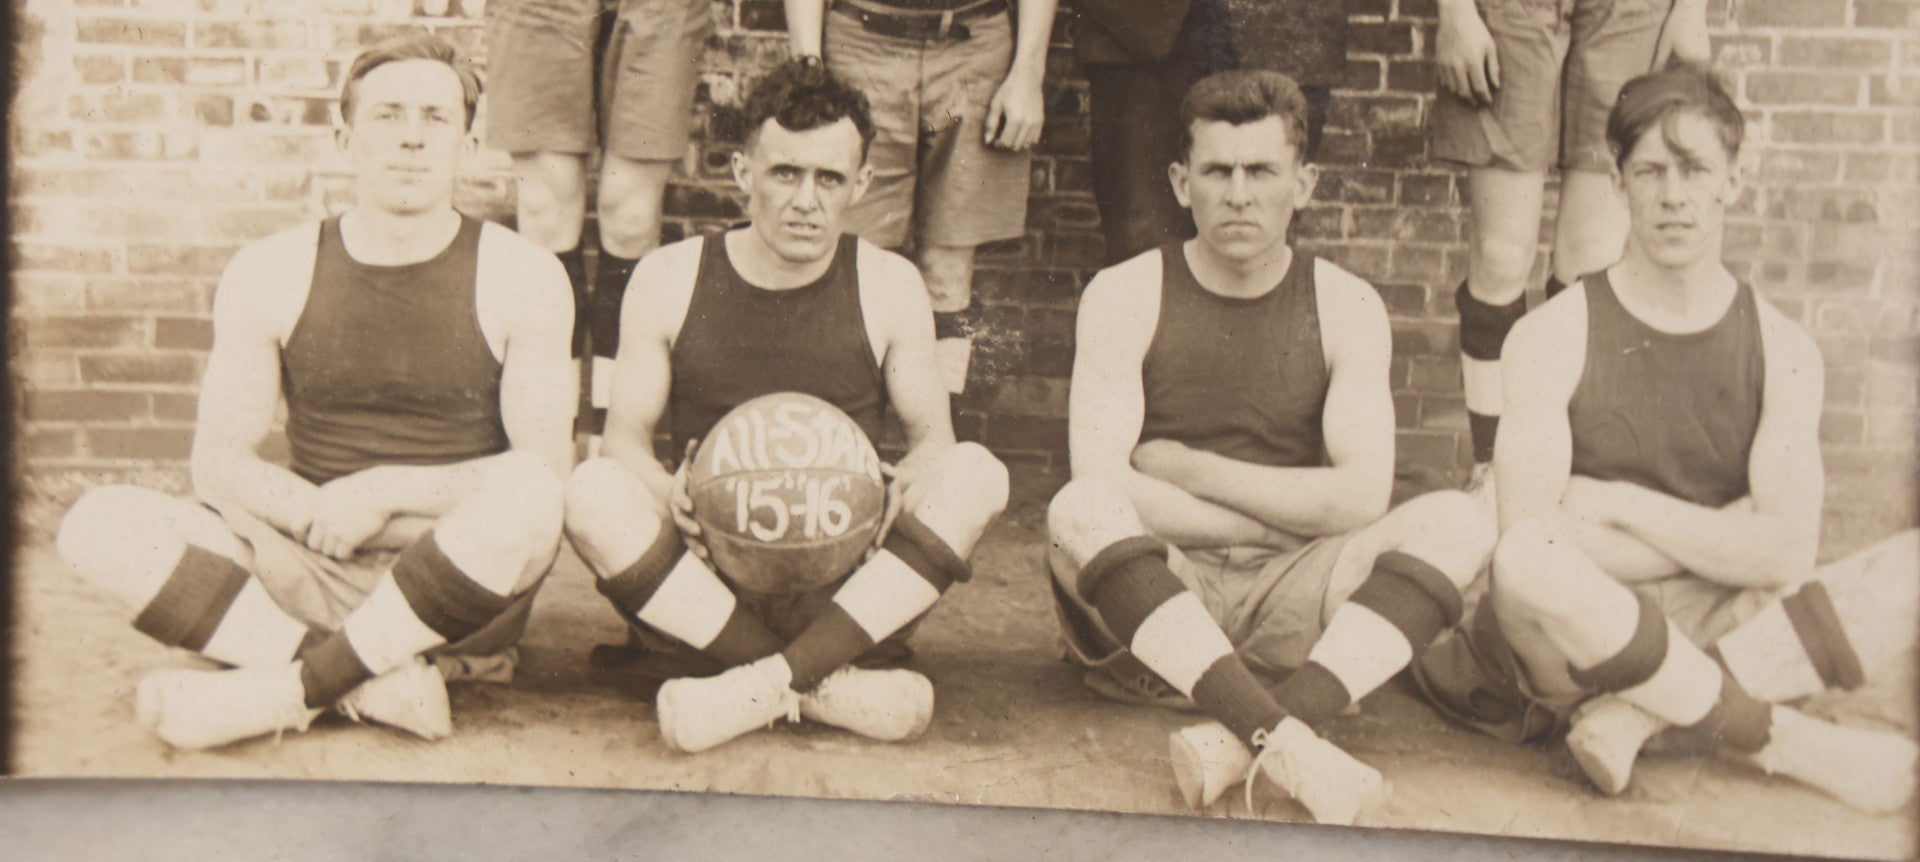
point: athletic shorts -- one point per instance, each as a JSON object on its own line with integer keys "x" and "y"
{"x": 321, "y": 591}
{"x": 932, "y": 176}
{"x": 548, "y": 59}
{"x": 1562, "y": 63}
{"x": 1272, "y": 605}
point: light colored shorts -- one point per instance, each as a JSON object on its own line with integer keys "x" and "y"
{"x": 321, "y": 591}
{"x": 548, "y": 59}
{"x": 1272, "y": 605}
{"x": 1562, "y": 63}
{"x": 932, "y": 176}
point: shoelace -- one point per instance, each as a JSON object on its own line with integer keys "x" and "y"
{"x": 1261, "y": 751}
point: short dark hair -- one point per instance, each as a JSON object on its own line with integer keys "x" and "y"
{"x": 804, "y": 95}
{"x": 1245, "y": 96}
{"x": 1659, "y": 99}
{"x": 413, "y": 46}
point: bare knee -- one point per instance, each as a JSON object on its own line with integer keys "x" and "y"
{"x": 1450, "y": 530}
{"x": 630, "y": 195}
{"x": 1086, "y": 516}
{"x": 948, "y": 270}
{"x": 1524, "y": 583}
{"x": 610, "y": 518}
{"x": 126, "y": 539}
{"x": 552, "y": 189}
{"x": 981, "y": 479}
{"x": 1501, "y": 267}
{"x": 526, "y": 503}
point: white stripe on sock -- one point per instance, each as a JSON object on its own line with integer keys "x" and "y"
{"x": 600, "y": 389}
{"x": 1179, "y": 641}
{"x": 692, "y": 604}
{"x": 1361, "y": 648}
{"x": 1766, "y": 656}
{"x": 1684, "y": 688}
{"x": 255, "y": 631}
{"x": 1480, "y": 383}
{"x": 385, "y": 632}
{"x": 885, "y": 594}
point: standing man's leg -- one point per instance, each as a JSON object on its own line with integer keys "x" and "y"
{"x": 1134, "y": 111}
{"x": 650, "y": 70}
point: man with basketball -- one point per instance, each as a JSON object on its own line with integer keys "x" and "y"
{"x": 421, "y": 356}
{"x": 786, "y": 303}
{"x": 1659, "y": 488}
{"x": 1232, "y": 439}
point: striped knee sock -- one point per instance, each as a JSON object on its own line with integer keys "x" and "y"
{"x": 912, "y": 570}
{"x": 675, "y": 592}
{"x": 1394, "y": 614}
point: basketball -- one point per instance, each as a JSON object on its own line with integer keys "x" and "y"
{"x": 788, "y": 492}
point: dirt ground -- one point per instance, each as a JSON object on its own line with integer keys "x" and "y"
{"x": 1014, "y": 727}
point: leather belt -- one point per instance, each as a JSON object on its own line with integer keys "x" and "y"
{"x": 924, "y": 24}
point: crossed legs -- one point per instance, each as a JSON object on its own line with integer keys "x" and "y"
{"x": 181, "y": 570}
{"x": 623, "y": 532}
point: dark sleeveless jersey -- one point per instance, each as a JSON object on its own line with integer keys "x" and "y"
{"x": 387, "y": 364}
{"x": 1673, "y": 413}
{"x": 1243, "y": 378}
{"x": 739, "y": 342}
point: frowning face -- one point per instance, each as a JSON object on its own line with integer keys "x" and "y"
{"x": 799, "y": 185}
{"x": 1243, "y": 183}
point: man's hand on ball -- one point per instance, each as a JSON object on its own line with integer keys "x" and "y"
{"x": 680, "y": 506}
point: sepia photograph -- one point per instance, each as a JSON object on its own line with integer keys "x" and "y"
{"x": 1472, "y": 416}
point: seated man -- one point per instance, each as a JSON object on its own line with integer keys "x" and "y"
{"x": 422, "y": 359}
{"x": 1230, "y": 399}
{"x": 1659, "y": 488}
{"x": 784, "y": 303}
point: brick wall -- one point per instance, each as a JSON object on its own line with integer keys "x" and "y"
{"x": 153, "y": 137}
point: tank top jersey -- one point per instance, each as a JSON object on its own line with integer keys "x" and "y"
{"x": 1243, "y": 378}
{"x": 739, "y": 342}
{"x": 1675, "y": 413}
{"x": 387, "y": 364}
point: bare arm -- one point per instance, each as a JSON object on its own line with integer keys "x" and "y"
{"x": 642, "y": 372}
{"x": 1107, "y": 408}
{"x": 1540, "y": 366}
{"x": 239, "y": 395}
{"x": 806, "y": 20}
{"x": 899, "y": 305}
{"x": 1357, "y": 424}
{"x": 1770, "y": 542}
{"x": 1017, "y": 111}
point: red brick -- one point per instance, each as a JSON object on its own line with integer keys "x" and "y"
{"x": 155, "y": 444}
{"x": 1406, "y": 410}
{"x": 1355, "y": 186}
{"x": 284, "y": 34}
{"x": 159, "y": 70}
{"x": 1412, "y": 262}
{"x": 182, "y": 333}
{"x": 100, "y": 68}
{"x": 1799, "y": 166}
{"x": 140, "y": 368}
{"x": 1887, "y": 14}
{"x": 93, "y": 331}
{"x": 1393, "y": 38}
{"x": 1842, "y": 427}
{"x": 1828, "y": 127}
{"x": 178, "y": 260}
{"x": 1792, "y": 13}
{"x": 1900, "y": 91}
{"x": 145, "y": 33}
{"x": 149, "y": 294}
{"x": 1828, "y": 52}
{"x": 174, "y": 407}
{"x": 1412, "y": 76}
{"x": 1742, "y": 52}
{"x": 1845, "y": 388}
{"x": 48, "y": 443}
{"x": 85, "y": 406}
{"x": 216, "y": 72}
{"x": 1802, "y": 88}
{"x": 1427, "y": 190}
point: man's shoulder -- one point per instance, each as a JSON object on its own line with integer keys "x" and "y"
{"x": 498, "y": 239}
{"x": 1139, "y": 275}
{"x": 677, "y": 254}
{"x": 286, "y": 247}
{"x": 870, "y": 259}
{"x": 1326, "y": 273}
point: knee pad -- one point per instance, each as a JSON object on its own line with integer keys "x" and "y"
{"x": 196, "y": 596}
{"x": 1636, "y": 662}
{"x": 442, "y": 596}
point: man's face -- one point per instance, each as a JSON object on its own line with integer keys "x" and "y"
{"x": 1677, "y": 192}
{"x": 405, "y": 137}
{"x": 1243, "y": 183}
{"x": 799, "y": 184}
